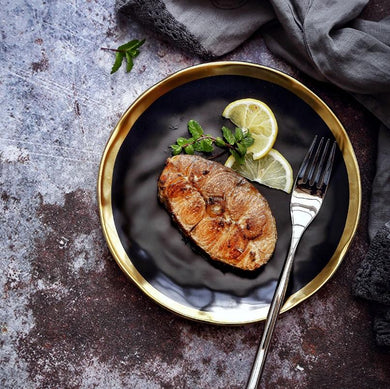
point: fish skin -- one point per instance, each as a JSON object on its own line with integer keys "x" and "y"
{"x": 219, "y": 210}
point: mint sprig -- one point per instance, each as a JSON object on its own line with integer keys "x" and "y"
{"x": 128, "y": 51}
{"x": 236, "y": 142}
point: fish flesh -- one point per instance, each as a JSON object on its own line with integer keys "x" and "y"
{"x": 219, "y": 210}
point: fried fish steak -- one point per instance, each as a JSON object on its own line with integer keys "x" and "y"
{"x": 219, "y": 210}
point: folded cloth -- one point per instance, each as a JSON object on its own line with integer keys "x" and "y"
{"x": 329, "y": 42}
{"x": 208, "y": 28}
{"x": 372, "y": 282}
{"x": 382, "y": 327}
{"x": 379, "y": 206}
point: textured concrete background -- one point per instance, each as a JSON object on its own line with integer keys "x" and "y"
{"x": 69, "y": 318}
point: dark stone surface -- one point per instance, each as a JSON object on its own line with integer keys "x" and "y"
{"x": 69, "y": 318}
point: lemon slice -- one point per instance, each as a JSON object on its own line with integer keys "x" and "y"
{"x": 257, "y": 117}
{"x": 272, "y": 170}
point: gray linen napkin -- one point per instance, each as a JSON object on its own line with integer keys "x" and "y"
{"x": 208, "y": 28}
{"x": 372, "y": 281}
{"x": 328, "y": 41}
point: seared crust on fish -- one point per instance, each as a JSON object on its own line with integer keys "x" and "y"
{"x": 219, "y": 210}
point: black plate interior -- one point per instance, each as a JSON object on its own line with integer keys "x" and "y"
{"x": 153, "y": 243}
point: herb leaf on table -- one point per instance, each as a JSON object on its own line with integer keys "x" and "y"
{"x": 129, "y": 50}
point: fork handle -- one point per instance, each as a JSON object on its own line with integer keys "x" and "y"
{"x": 273, "y": 312}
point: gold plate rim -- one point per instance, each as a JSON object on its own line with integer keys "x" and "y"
{"x": 184, "y": 76}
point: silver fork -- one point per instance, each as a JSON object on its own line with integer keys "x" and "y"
{"x": 309, "y": 190}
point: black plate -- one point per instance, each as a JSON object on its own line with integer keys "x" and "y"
{"x": 162, "y": 263}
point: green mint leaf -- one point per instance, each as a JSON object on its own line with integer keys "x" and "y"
{"x": 129, "y": 50}
{"x": 241, "y": 149}
{"x": 198, "y": 145}
{"x": 132, "y": 45}
{"x": 195, "y": 129}
{"x": 135, "y": 53}
{"x": 204, "y": 145}
{"x": 248, "y": 141}
{"x": 220, "y": 142}
{"x": 118, "y": 62}
{"x": 207, "y": 145}
{"x": 189, "y": 149}
{"x": 182, "y": 141}
{"x": 129, "y": 45}
{"x": 130, "y": 62}
{"x": 239, "y": 158}
{"x": 140, "y": 43}
{"x": 238, "y": 134}
{"x": 176, "y": 149}
{"x": 228, "y": 135}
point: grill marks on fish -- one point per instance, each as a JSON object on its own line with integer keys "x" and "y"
{"x": 219, "y": 210}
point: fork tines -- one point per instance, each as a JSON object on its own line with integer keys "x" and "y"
{"x": 312, "y": 171}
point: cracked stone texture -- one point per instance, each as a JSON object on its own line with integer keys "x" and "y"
{"x": 69, "y": 318}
